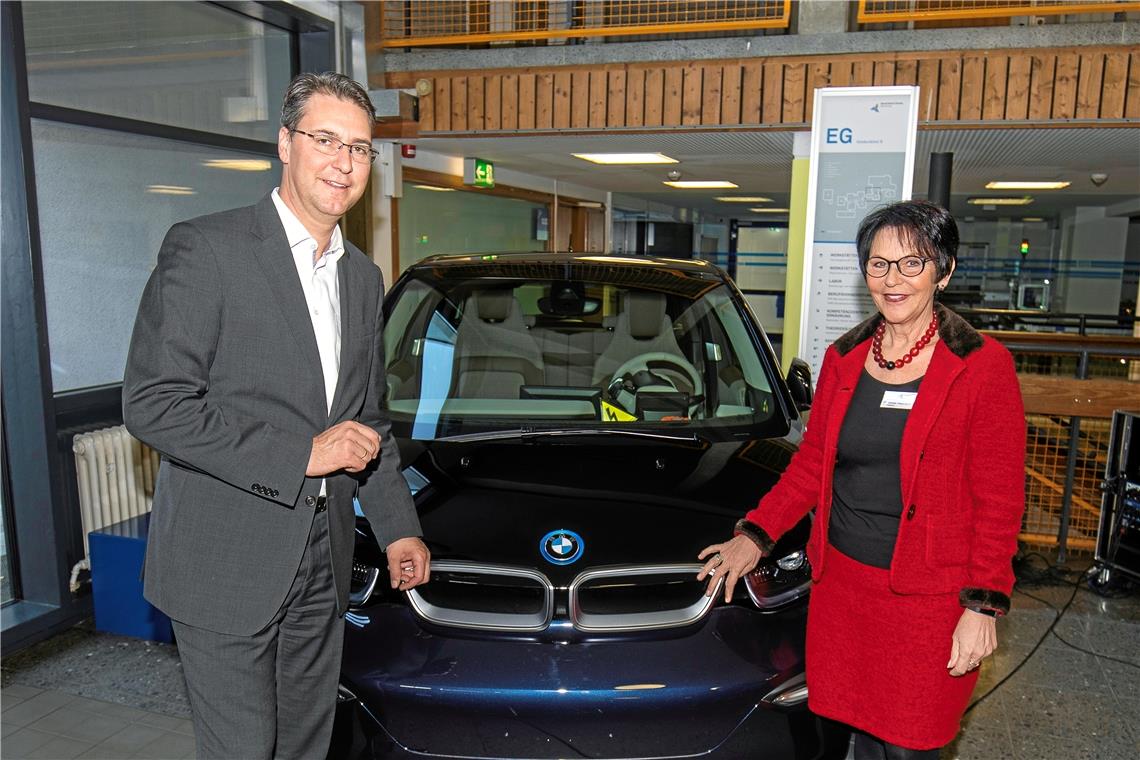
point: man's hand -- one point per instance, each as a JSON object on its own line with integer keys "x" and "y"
{"x": 409, "y": 563}
{"x": 975, "y": 638}
{"x": 347, "y": 446}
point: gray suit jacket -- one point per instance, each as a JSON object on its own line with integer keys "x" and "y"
{"x": 224, "y": 378}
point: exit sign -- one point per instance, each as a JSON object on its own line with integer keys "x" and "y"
{"x": 478, "y": 172}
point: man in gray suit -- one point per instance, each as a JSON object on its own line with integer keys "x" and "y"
{"x": 257, "y": 369}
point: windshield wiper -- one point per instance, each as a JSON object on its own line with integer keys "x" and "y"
{"x": 525, "y": 434}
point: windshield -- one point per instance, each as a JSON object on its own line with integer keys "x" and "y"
{"x": 573, "y": 346}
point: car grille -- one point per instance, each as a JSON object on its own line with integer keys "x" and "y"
{"x": 490, "y": 597}
{"x": 506, "y": 598}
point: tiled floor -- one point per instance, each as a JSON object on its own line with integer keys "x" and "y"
{"x": 92, "y": 695}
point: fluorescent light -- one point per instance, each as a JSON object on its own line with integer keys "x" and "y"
{"x": 1024, "y": 200}
{"x": 239, "y": 164}
{"x": 625, "y": 158}
{"x": 770, "y": 210}
{"x": 434, "y": 188}
{"x": 703, "y": 184}
{"x": 742, "y": 199}
{"x": 589, "y": 204}
{"x": 1032, "y": 219}
{"x": 1029, "y": 185}
{"x": 171, "y": 190}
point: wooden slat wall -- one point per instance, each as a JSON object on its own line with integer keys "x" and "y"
{"x": 1042, "y": 85}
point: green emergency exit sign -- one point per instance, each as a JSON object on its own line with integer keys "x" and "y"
{"x": 478, "y": 172}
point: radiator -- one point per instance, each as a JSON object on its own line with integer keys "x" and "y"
{"x": 116, "y": 474}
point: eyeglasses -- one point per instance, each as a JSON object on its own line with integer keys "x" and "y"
{"x": 908, "y": 266}
{"x": 330, "y": 146}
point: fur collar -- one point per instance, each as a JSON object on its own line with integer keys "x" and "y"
{"x": 958, "y": 335}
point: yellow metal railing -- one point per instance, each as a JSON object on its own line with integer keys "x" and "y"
{"x": 421, "y": 23}
{"x": 885, "y": 11}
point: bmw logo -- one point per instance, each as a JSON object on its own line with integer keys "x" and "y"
{"x": 561, "y": 547}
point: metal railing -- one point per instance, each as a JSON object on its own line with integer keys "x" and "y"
{"x": 1069, "y": 420}
{"x": 426, "y": 23}
{"x": 886, "y": 11}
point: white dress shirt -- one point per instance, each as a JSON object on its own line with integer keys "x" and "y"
{"x": 322, "y": 291}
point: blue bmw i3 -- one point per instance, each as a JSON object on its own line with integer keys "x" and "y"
{"x": 575, "y": 429}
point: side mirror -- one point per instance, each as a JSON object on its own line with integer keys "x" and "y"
{"x": 799, "y": 383}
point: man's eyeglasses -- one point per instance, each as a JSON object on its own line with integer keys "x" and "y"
{"x": 330, "y": 146}
{"x": 908, "y": 266}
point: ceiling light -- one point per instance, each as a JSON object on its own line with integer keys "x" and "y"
{"x": 625, "y": 158}
{"x": 436, "y": 189}
{"x": 239, "y": 164}
{"x": 769, "y": 210}
{"x": 703, "y": 184}
{"x": 1032, "y": 219}
{"x": 171, "y": 190}
{"x": 1023, "y": 200}
{"x": 1029, "y": 185}
{"x": 743, "y": 199}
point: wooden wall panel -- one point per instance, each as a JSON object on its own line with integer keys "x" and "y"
{"x": 710, "y": 95}
{"x": 599, "y": 92}
{"x": 493, "y": 102}
{"x": 563, "y": 82}
{"x": 993, "y": 95}
{"x": 949, "y": 88}
{"x": 510, "y": 101}
{"x": 544, "y": 101}
{"x": 1065, "y": 86}
{"x": 476, "y": 119}
{"x": 580, "y": 99}
{"x": 692, "y": 82}
{"x": 654, "y": 97}
{"x": 795, "y": 82}
{"x": 527, "y": 104}
{"x": 1132, "y": 97}
{"x": 1017, "y": 87}
{"x": 635, "y": 98}
{"x": 1042, "y": 85}
{"x": 730, "y": 92}
{"x": 1115, "y": 85}
{"x": 615, "y": 99}
{"x": 1089, "y": 86}
{"x": 751, "y": 84}
{"x": 772, "y": 94}
{"x": 671, "y": 103}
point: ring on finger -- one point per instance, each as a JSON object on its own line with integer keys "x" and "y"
{"x": 719, "y": 559}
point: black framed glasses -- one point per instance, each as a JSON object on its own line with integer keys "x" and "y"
{"x": 908, "y": 266}
{"x": 330, "y": 146}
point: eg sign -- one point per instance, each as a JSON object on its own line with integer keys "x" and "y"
{"x": 838, "y": 135}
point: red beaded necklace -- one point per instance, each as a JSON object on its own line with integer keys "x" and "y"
{"x": 877, "y": 345}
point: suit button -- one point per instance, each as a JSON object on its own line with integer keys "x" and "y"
{"x": 910, "y": 512}
{"x": 310, "y": 500}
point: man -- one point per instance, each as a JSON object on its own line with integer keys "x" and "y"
{"x": 257, "y": 369}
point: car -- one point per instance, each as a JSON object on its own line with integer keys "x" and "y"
{"x": 575, "y": 429}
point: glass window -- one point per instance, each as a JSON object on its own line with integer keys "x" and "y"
{"x": 106, "y": 199}
{"x": 190, "y": 65}
{"x": 498, "y": 343}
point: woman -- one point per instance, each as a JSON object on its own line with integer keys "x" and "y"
{"x": 914, "y": 460}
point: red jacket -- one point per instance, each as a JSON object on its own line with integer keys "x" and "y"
{"x": 962, "y": 467}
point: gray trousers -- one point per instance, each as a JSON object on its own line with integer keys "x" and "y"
{"x": 272, "y": 694}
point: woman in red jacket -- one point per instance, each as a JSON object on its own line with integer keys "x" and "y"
{"x": 914, "y": 461}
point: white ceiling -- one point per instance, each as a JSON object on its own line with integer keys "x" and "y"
{"x": 760, "y": 162}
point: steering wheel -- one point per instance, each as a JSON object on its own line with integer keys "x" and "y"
{"x": 670, "y": 366}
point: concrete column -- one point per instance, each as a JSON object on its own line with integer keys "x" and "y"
{"x": 818, "y": 17}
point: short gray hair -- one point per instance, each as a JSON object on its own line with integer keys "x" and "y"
{"x": 305, "y": 86}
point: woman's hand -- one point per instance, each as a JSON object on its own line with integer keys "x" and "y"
{"x": 975, "y": 638}
{"x": 729, "y": 561}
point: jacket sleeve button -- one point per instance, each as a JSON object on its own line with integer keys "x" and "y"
{"x": 910, "y": 512}
{"x": 256, "y": 486}
{"x": 310, "y": 500}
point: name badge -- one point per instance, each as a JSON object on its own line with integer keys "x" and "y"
{"x": 897, "y": 400}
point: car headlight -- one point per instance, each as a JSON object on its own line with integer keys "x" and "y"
{"x": 777, "y": 583}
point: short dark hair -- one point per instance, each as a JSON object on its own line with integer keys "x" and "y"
{"x": 926, "y": 227}
{"x": 305, "y": 86}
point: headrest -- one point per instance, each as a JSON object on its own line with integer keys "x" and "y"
{"x": 494, "y": 305}
{"x": 645, "y": 313}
